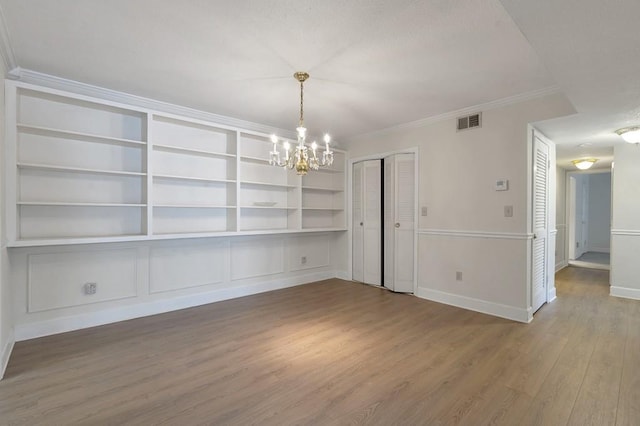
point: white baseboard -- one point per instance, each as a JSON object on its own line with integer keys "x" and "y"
{"x": 343, "y": 275}
{"x": 483, "y": 306}
{"x": 6, "y": 353}
{"x": 33, "y": 330}
{"x": 625, "y": 292}
{"x": 561, "y": 265}
{"x": 551, "y": 294}
{"x": 599, "y": 249}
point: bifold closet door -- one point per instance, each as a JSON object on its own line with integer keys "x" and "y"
{"x": 367, "y": 222}
{"x": 399, "y": 222}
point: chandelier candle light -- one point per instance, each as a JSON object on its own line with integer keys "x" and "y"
{"x": 300, "y": 158}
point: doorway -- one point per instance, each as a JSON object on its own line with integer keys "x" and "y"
{"x": 589, "y": 219}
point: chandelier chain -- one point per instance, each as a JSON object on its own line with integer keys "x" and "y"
{"x": 301, "y": 103}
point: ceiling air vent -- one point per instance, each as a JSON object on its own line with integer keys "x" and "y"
{"x": 469, "y": 122}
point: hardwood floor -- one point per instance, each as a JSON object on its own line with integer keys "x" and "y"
{"x": 341, "y": 353}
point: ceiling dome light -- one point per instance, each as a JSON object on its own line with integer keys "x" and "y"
{"x": 584, "y": 163}
{"x": 630, "y": 134}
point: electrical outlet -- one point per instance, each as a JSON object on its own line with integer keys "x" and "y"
{"x": 458, "y": 276}
{"x": 424, "y": 211}
{"x": 90, "y": 288}
{"x": 508, "y": 211}
{"x": 303, "y": 260}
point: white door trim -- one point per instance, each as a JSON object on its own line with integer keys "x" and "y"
{"x": 568, "y": 201}
{"x": 550, "y": 282}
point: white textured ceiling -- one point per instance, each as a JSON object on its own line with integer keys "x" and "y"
{"x": 592, "y": 50}
{"x": 373, "y": 63}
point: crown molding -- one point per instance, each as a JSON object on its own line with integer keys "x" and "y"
{"x": 498, "y": 103}
{"x": 6, "y": 51}
{"x": 59, "y": 83}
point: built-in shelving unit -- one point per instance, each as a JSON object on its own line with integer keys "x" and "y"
{"x": 81, "y": 169}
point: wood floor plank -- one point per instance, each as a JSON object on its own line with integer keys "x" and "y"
{"x": 336, "y": 352}
{"x": 628, "y": 413}
{"x": 604, "y": 371}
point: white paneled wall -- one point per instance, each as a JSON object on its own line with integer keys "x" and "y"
{"x": 144, "y": 278}
{"x": 625, "y": 227}
{"x": 205, "y": 263}
{"x": 490, "y": 272}
{"x": 55, "y": 280}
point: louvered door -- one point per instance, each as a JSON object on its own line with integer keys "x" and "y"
{"x": 540, "y": 223}
{"x": 367, "y": 222}
{"x": 399, "y": 222}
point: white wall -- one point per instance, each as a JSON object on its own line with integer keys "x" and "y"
{"x": 625, "y": 226}
{"x": 561, "y": 219}
{"x": 465, "y": 229}
{"x": 599, "y": 231}
{"x": 6, "y": 314}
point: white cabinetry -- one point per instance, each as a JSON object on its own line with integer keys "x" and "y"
{"x": 81, "y": 169}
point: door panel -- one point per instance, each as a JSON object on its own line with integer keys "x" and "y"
{"x": 366, "y": 222}
{"x": 389, "y": 223}
{"x": 404, "y": 212}
{"x": 540, "y": 223}
{"x": 372, "y": 222}
{"x": 357, "y": 224}
{"x": 399, "y": 200}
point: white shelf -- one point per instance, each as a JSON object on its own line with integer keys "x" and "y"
{"x": 254, "y": 159}
{"x": 326, "y": 170}
{"x": 323, "y": 189}
{"x": 191, "y": 206}
{"x": 323, "y": 208}
{"x": 85, "y": 137}
{"x": 31, "y": 242}
{"x": 191, "y": 151}
{"x": 60, "y": 203}
{"x": 52, "y": 168}
{"x": 193, "y": 178}
{"x": 269, "y": 207}
{"x": 275, "y": 185}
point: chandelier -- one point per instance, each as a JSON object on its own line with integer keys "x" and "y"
{"x": 301, "y": 158}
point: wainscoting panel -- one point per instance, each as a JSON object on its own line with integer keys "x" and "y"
{"x": 186, "y": 265}
{"x": 625, "y": 268}
{"x": 477, "y": 271}
{"x": 136, "y": 279}
{"x": 253, "y": 258}
{"x": 561, "y": 247}
{"x": 57, "y": 280}
{"x": 308, "y": 252}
